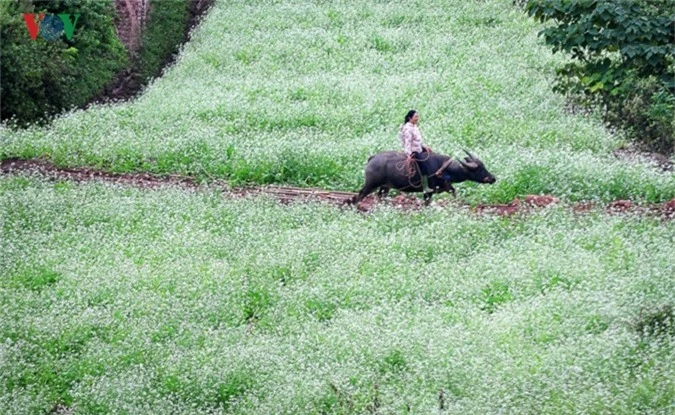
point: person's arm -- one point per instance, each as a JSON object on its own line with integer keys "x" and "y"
{"x": 406, "y": 139}
{"x": 424, "y": 146}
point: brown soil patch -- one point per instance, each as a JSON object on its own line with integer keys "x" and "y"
{"x": 509, "y": 209}
{"x": 81, "y": 174}
{"x": 582, "y": 207}
{"x": 540, "y": 201}
{"x": 621, "y": 206}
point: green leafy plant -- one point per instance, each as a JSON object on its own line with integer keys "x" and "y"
{"x": 42, "y": 77}
{"x": 615, "y": 46}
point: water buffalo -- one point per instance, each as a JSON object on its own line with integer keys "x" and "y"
{"x": 389, "y": 169}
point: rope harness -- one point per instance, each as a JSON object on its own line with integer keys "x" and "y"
{"x": 409, "y": 166}
{"x": 439, "y": 172}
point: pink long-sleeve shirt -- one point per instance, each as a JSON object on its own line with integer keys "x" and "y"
{"x": 411, "y": 138}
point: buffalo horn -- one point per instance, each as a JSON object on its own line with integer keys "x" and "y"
{"x": 469, "y": 166}
{"x": 470, "y": 155}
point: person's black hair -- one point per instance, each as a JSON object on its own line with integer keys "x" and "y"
{"x": 409, "y": 115}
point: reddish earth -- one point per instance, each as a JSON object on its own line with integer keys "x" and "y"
{"x": 290, "y": 194}
{"x": 620, "y": 206}
{"x": 669, "y": 207}
{"x": 509, "y": 209}
{"x": 541, "y": 201}
{"x": 582, "y": 207}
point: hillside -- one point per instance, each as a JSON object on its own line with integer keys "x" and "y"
{"x": 302, "y": 93}
{"x": 133, "y": 294}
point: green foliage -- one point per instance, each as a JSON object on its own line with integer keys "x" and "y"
{"x": 42, "y": 77}
{"x": 617, "y": 47}
{"x": 164, "y": 31}
{"x": 32, "y": 279}
{"x": 394, "y": 362}
{"x": 647, "y": 109}
{"x": 494, "y": 295}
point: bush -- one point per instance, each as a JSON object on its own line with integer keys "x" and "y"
{"x": 646, "y": 110}
{"x": 623, "y": 61}
{"x": 40, "y": 77}
{"x": 165, "y": 30}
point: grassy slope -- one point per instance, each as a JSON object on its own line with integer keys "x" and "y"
{"x": 303, "y": 92}
{"x": 165, "y": 301}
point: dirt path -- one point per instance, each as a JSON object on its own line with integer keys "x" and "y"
{"x": 665, "y": 211}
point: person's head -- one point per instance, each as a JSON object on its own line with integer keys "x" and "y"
{"x": 412, "y": 116}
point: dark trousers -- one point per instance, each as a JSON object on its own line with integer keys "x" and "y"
{"x": 422, "y": 161}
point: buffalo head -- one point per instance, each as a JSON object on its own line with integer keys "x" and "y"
{"x": 475, "y": 169}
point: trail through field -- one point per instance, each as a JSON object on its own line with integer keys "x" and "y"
{"x": 529, "y": 203}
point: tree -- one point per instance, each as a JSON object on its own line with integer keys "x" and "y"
{"x": 41, "y": 77}
{"x": 623, "y": 59}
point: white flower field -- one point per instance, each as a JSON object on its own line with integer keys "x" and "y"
{"x": 120, "y": 300}
{"x": 133, "y": 301}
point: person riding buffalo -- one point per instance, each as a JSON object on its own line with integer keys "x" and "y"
{"x": 414, "y": 147}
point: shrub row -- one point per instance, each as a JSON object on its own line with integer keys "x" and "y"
{"x": 42, "y": 77}
{"x": 45, "y": 75}
{"x": 622, "y": 61}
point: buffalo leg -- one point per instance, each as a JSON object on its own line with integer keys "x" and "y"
{"x": 383, "y": 192}
{"x": 427, "y": 198}
{"x": 365, "y": 191}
